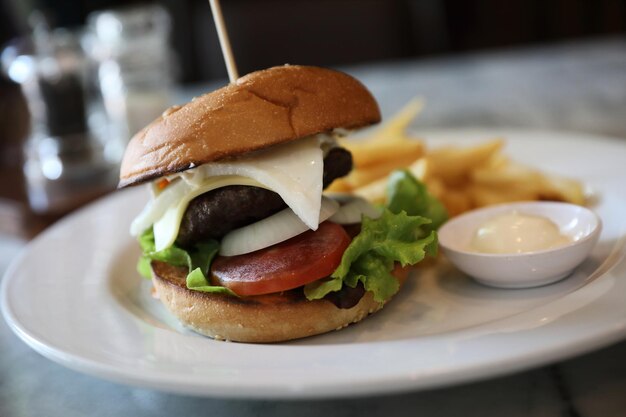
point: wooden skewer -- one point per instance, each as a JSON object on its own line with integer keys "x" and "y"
{"x": 222, "y": 34}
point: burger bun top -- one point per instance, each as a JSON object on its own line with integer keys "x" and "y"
{"x": 261, "y": 109}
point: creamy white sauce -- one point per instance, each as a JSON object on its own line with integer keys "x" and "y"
{"x": 517, "y": 233}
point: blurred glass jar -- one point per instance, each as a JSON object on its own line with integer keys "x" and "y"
{"x": 65, "y": 165}
{"x": 133, "y": 67}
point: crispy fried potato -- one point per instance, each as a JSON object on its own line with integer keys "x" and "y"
{"x": 506, "y": 174}
{"x": 456, "y": 201}
{"x": 566, "y": 189}
{"x": 462, "y": 178}
{"x": 396, "y": 126}
{"x": 370, "y": 154}
{"x": 453, "y": 164}
{"x": 519, "y": 182}
{"x": 388, "y": 148}
{"x": 389, "y": 143}
{"x": 360, "y": 177}
{"x": 481, "y": 195}
{"x": 375, "y": 191}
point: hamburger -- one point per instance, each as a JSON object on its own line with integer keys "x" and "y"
{"x": 239, "y": 239}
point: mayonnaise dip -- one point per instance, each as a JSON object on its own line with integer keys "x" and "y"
{"x": 517, "y": 233}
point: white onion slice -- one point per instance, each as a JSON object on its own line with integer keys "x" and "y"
{"x": 272, "y": 230}
{"x": 157, "y": 207}
{"x": 352, "y": 211}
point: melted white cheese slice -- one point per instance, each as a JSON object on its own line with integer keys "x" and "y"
{"x": 293, "y": 170}
{"x": 167, "y": 226}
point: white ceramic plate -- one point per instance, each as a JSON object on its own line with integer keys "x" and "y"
{"x": 74, "y": 296}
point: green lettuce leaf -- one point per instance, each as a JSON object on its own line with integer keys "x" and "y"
{"x": 197, "y": 260}
{"x": 405, "y": 233}
{"x": 172, "y": 255}
{"x": 406, "y": 193}
{"x": 370, "y": 257}
{"x": 197, "y": 281}
{"x": 143, "y": 267}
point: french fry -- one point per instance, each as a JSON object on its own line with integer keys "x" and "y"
{"x": 567, "y": 189}
{"x": 454, "y": 164}
{"x": 462, "y": 178}
{"x": 481, "y": 195}
{"x": 339, "y": 186}
{"x": 360, "y": 177}
{"x": 365, "y": 155}
{"x": 529, "y": 183}
{"x": 507, "y": 174}
{"x": 375, "y": 191}
{"x": 389, "y": 142}
{"x": 396, "y": 126}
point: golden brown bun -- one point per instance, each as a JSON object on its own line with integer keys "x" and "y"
{"x": 263, "y": 108}
{"x": 262, "y": 318}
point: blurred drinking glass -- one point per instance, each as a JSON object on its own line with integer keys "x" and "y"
{"x": 133, "y": 65}
{"x": 65, "y": 165}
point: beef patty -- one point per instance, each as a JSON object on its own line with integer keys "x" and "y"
{"x": 213, "y": 214}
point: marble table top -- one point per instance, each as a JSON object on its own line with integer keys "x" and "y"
{"x": 578, "y": 86}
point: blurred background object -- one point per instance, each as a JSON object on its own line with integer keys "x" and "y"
{"x": 87, "y": 88}
{"x": 340, "y": 32}
{"x": 133, "y": 68}
{"x": 92, "y": 73}
{"x": 64, "y": 160}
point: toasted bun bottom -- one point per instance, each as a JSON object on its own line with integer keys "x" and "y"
{"x": 264, "y": 318}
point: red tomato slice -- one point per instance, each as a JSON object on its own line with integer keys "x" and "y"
{"x": 302, "y": 259}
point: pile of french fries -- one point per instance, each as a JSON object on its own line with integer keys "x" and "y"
{"x": 462, "y": 178}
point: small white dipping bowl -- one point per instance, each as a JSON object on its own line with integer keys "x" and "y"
{"x": 521, "y": 270}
